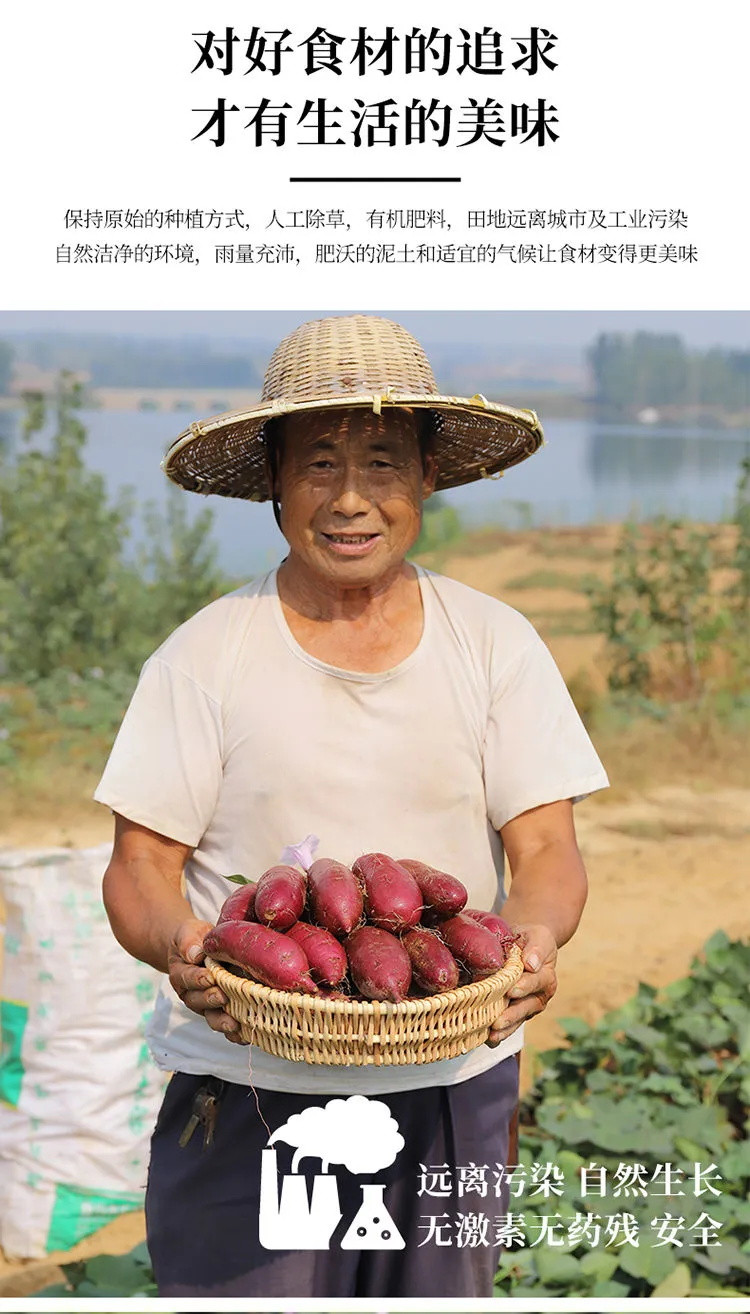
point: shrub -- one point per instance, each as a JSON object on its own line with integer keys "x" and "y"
{"x": 655, "y": 1088}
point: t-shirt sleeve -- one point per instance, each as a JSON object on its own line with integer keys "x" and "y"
{"x": 536, "y": 749}
{"x": 165, "y": 768}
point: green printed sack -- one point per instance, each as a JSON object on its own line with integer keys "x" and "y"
{"x": 78, "y": 1091}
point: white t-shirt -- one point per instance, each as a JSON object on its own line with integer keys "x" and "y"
{"x": 238, "y": 742}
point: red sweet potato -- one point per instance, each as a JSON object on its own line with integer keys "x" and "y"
{"x": 441, "y": 892}
{"x": 393, "y": 901}
{"x": 327, "y": 959}
{"x": 335, "y": 896}
{"x": 380, "y": 966}
{"x": 280, "y": 897}
{"x": 492, "y": 921}
{"x": 474, "y": 945}
{"x": 433, "y": 966}
{"x": 268, "y": 956}
{"x": 239, "y": 906}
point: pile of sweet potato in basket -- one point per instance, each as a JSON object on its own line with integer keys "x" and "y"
{"x": 380, "y": 929}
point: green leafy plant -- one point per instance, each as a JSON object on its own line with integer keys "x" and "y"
{"x": 106, "y": 1275}
{"x": 675, "y": 630}
{"x": 663, "y": 1080}
{"x": 663, "y": 623}
{"x": 739, "y": 589}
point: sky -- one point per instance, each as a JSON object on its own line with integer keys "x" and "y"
{"x": 561, "y": 329}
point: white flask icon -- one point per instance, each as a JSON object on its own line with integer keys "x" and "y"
{"x": 372, "y": 1227}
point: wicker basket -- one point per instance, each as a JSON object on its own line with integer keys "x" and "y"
{"x": 359, "y": 1032}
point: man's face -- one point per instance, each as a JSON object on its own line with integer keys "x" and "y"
{"x": 351, "y": 486}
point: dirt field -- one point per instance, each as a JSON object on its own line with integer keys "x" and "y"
{"x": 667, "y": 848}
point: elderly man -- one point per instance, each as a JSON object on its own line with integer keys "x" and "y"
{"x": 384, "y": 708}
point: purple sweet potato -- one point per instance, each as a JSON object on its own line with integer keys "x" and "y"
{"x": 280, "y": 897}
{"x": 393, "y": 901}
{"x": 380, "y": 966}
{"x": 239, "y": 906}
{"x": 443, "y": 893}
{"x": 269, "y": 957}
{"x": 327, "y": 959}
{"x": 474, "y": 945}
{"x": 433, "y": 966}
{"x": 335, "y": 896}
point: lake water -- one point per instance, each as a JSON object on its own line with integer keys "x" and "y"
{"x": 587, "y": 473}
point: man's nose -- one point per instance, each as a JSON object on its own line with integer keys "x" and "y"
{"x": 351, "y": 495}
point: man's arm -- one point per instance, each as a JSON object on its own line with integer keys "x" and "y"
{"x": 153, "y": 920}
{"x": 547, "y": 895}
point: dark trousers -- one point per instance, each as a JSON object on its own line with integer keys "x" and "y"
{"x": 202, "y": 1204}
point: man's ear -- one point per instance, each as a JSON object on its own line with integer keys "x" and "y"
{"x": 272, "y": 475}
{"x": 429, "y": 476}
{"x": 273, "y": 456}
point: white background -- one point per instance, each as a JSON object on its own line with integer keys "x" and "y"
{"x": 98, "y": 112}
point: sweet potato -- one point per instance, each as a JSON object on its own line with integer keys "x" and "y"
{"x": 433, "y": 966}
{"x": 496, "y": 924}
{"x": 271, "y": 958}
{"x": 380, "y": 966}
{"x": 492, "y": 920}
{"x": 327, "y": 959}
{"x": 441, "y": 892}
{"x": 335, "y": 896}
{"x": 393, "y": 901}
{"x": 280, "y": 897}
{"x": 474, "y": 945}
{"x": 239, "y": 906}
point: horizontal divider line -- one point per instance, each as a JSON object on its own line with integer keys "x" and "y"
{"x": 371, "y": 180}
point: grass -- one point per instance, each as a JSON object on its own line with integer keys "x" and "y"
{"x": 561, "y": 624}
{"x": 547, "y": 579}
{"x": 475, "y": 543}
{"x": 55, "y": 744}
{"x": 50, "y": 792}
{"x": 703, "y": 750}
{"x": 643, "y": 828}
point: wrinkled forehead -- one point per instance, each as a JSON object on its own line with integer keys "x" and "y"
{"x": 357, "y": 429}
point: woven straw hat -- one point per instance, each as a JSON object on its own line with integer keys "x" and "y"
{"x": 347, "y": 362}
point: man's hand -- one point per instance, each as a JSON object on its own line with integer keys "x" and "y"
{"x": 193, "y": 983}
{"x": 145, "y": 903}
{"x": 547, "y": 894}
{"x": 533, "y": 991}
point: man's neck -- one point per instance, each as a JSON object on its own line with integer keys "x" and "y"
{"x": 319, "y": 599}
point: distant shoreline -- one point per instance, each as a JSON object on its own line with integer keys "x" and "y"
{"x": 200, "y": 401}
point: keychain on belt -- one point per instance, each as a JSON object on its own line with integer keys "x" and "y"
{"x": 204, "y": 1112}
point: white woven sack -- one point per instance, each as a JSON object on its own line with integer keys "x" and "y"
{"x": 79, "y": 1092}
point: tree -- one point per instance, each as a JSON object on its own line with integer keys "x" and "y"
{"x": 179, "y": 570}
{"x": 637, "y": 370}
{"x": 6, "y": 367}
{"x": 664, "y": 625}
{"x": 69, "y": 599}
{"x": 61, "y": 547}
{"x": 441, "y": 524}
